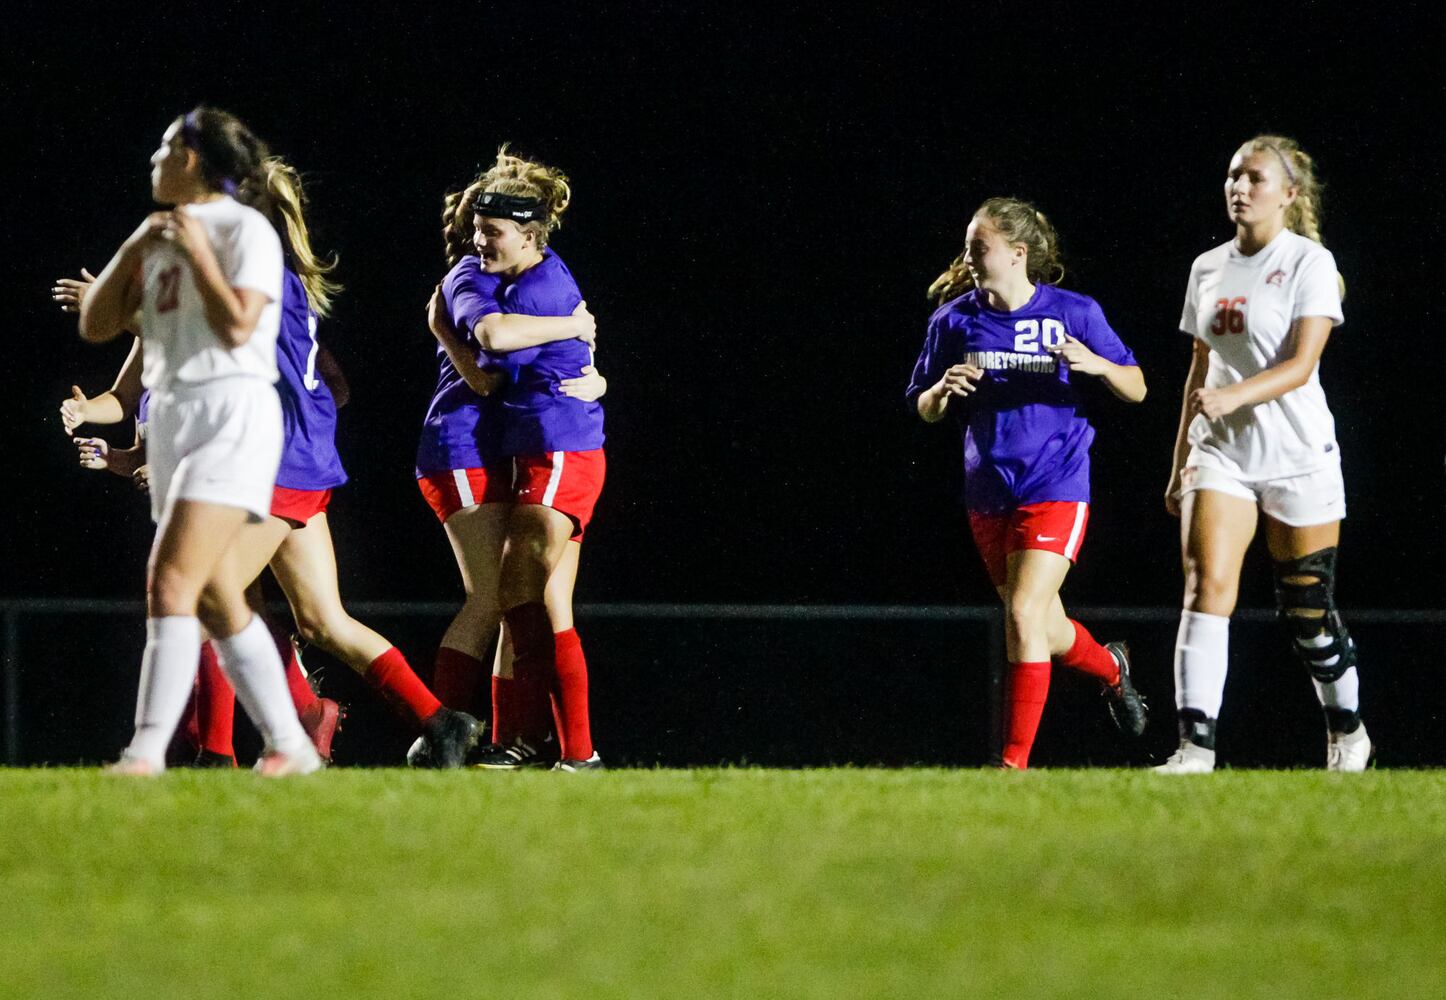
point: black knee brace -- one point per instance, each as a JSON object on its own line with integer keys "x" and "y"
{"x": 1305, "y": 598}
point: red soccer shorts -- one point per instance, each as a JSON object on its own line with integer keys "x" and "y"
{"x": 451, "y": 490}
{"x": 296, "y": 507}
{"x": 567, "y": 481}
{"x": 1054, "y": 526}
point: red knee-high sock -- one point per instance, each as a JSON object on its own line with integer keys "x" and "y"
{"x": 215, "y": 705}
{"x": 1024, "y": 703}
{"x": 393, "y": 678}
{"x": 534, "y": 668}
{"x": 1088, "y": 656}
{"x": 455, "y": 678}
{"x": 569, "y": 697}
{"x": 504, "y": 710}
{"x": 301, "y": 694}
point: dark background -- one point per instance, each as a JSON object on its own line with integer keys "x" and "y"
{"x": 760, "y": 202}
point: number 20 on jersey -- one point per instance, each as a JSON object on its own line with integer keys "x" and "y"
{"x": 1229, "y": 316}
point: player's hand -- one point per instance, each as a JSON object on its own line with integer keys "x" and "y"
{"x": 185, "y": 232}
{"x": 70, "y": 292}
{"x": 961, "y": 380}
{"x": 588, "y": 387}
{"x": 437, "y": 319}
{"x": 94, "y": 453}
{"x": 1213, "y": 403}
{"x": 142, "y": 478}
{"x": 73, "y": 410}
{"x": 1078, "y": 357}
{"x": 149, "y": 231}
{"x": 586, "y": 325}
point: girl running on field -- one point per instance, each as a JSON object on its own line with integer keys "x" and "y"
{"x": 207, "y": 278}
{"x": 1256, "y": 435}
{"x": 1003, "y": 356}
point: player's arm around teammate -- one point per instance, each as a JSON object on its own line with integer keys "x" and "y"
{"x": 1256, "y": 437}
{"x": 1002, "y": 356}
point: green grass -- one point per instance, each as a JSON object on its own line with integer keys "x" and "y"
{"x": 746, "y": 883}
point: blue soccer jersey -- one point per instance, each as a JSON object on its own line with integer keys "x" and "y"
{"x": 1026, "y": 438}
{"x": 309, "y": 459}
{"x": 537, "y": 418}
{"x": 463, "y": 430}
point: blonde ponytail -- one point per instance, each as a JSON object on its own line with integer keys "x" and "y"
{"x": 283, "y": 185}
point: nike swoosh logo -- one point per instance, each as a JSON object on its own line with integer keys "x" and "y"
{"x": 1043, "y": 538}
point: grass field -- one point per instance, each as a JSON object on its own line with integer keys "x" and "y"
{"x": 746, "y": 883}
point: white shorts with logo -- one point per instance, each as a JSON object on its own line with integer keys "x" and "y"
{"x": 1317, "y": 497}
{"x": 215, "y": 442}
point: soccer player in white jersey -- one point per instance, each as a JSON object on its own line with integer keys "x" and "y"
{"x": 1256, "y": 434}
{"x": 207, "y": 277}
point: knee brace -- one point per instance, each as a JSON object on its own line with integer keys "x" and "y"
{"x": 1305, "y": 598}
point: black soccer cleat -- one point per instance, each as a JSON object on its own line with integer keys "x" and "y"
{"x": 210, "y": 758}
{"x": 1127, "y": 706}
{"x": 513, "y": 757}
{"x": 450, "y": 736}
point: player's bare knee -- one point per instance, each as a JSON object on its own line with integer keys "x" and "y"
{"x": 223, "y": 612}
{"x": 170, "y": 591}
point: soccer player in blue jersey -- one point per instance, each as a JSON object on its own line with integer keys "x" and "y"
{"x": 1003, "y": 356}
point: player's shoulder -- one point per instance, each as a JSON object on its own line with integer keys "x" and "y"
{"x": 468, "y": 272}
{"x": 963, "y": 305}
{"x": 552, "y": 272}
{"x": 1054, "y": 297}
{"x": 1302, "y": 250}
{"x": 1211, "y": 259}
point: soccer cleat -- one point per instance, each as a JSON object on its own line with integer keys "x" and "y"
{"x": 1191, "y": 758}
{"x": 419, "y": 754}
{"x": 134, "y": 767}
{"x": 275, "y": 764}
{"x": 1351, "y": 751}
{"x": 450, "y": 736}
{"x": 210, "y": 758}
{"x": 1127, "y": 705}
{"x": 519, "y": 755}
{"x": 322, "y": 721}
{"x": 593, "y": 763}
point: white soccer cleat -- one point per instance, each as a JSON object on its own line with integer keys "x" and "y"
{"x": 276, "y": 764}
{"x": 134, "y": 767}
{"x": 1191, "y": 758}
{"x": 1349, "y": 751}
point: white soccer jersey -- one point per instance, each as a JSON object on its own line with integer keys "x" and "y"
{"x": 180, "y": 346}
{"x": 1242, "y": 308}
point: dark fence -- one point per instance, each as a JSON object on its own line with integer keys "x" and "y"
{"x": 777, "y": 685}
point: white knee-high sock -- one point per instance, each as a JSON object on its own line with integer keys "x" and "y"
{"x": 1202, "y": 655}
{"x": 168, "y": 669}
{"x": 1343, "y": 692}
{"x": 250, "y": 661}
